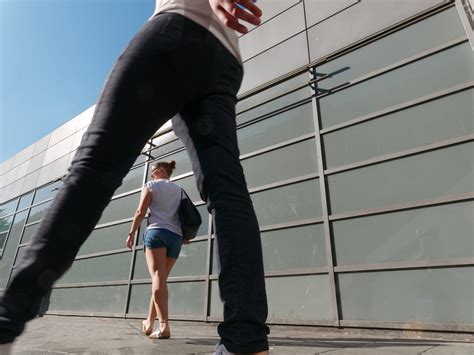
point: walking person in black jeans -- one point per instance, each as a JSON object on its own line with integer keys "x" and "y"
{"x": 185, "y": 60}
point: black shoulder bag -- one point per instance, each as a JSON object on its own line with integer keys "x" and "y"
{"x": 189, "y": 217}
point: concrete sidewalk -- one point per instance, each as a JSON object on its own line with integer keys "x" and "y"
{"x": 83, "y": 335}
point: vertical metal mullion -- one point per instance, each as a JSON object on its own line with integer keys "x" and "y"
{"x": 325, "y": 205}
{"x": 134, "y": 250}
{"x": 208, "y": 270}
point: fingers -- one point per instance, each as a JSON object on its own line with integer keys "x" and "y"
{"x": 230, "y": 12}
{"x": 250, "y": 6}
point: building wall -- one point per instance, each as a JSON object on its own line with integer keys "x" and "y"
{"x": 355, "y": 124}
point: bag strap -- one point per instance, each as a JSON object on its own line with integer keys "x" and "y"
{"x": 182, "y": 191}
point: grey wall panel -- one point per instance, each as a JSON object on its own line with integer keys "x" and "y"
{"x": 30, "y": 181}
{"x": 53, "y": 171}
{"x": 13, "y": 190}
{"x": 272, "y": 32}
{"x": 42, "y": 144}
{"x": 438, "y": 72}
{"x": 272, "y": 92}
{"x": 270, "y": 9}
{"x": 264, "y": 68}
{"x": 23, "y": 156}
{"x": 439, "y": 232}
{"x": 409, "y": 295}
{"x": 59, "y": 150}
{"x": 320, "y": 10}
{"x": 63, "y": 132}
{"x": 99, "y": 269}
{"x": 360, "y": 21}
{"x": 108, "y": 299}
{"x": 17, "y": 172}
{"x": 121, "y": 208}
{"x": 434, "y": 174}
{"x": 6, "y": 166}
{"x": 434, "y": 121}
{"x": 294, "y": 248}
{"x": 281, "y": 164}
{"x": 417, "y": 38}
{"x": 299, "y": 297}
{"x": 36, "y": 162}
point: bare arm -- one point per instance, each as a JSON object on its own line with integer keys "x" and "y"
{"x": 230, "y": 12}
{"x": 145, "y": 201}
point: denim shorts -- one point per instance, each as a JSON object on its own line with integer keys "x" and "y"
{"x": 163, "y": 238}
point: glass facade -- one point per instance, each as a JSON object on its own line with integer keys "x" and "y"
{"x": 359, "y": 164}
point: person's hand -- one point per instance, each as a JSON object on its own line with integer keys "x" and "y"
{"x": 230, "y": 12}
{"x": 130, "y": 240}
{"x": 186, "y": 241}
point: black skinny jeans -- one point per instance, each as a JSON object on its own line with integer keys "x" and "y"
{"x": 171, "y": 66}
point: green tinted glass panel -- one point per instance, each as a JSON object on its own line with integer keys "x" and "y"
{"x": 185, "y": 299}
{"x": 403, "y": 44}
{"x": 47, "y": 192}
{"x": 189, "y": 185}
{"x": 102, "y": 268}
{"x": 3, "y": 239}
{"x": 108, "y": 299}
{"x": 140, "y": 159}
{"x": 133, "y": 180}
{"x": 5, "y": 223}
{"x": 192, "y": 260}
{"x": 142, "y": 231}
{"x": 440, "y": 232}
{"x": 288, "y": 203}
{"x": 216, "y": 306}
{"x": 166, "y": 149}
{"x": 37, "y": 213}
{"x": 281, "y": 164}
{"x": 294, "y": 248}
{"x": 204, "y": 228}
{"x": 272, "y": 92}
{"x": 20, "y": 254}
{"x": 29, "y": 232}
{"x": 140, "y": 272}
{"x": 424, "y": 295}
{"x": 445, "y": 118}
{"x": 121, "y": 208}
{"x": 104, "y": 239}
{"x": 438, "y": 173}
{"x": 8, "y": 208}
{"x": 290, "y": 298}
{"x": 276, "y": 129}
{"x": 10, "y": 247}
{"x": 25, "y": 201}
{"x": 274, "y": 105}
{"x": 426, "y": 76}
{"x": 183, "y": 164}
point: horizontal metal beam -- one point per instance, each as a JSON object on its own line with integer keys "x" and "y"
{"x": 410, "y": 325}
{"x": 278, "y": 184}
{"x": 103, "y": 253}
{"x": 406, "y": 265}
{"x": 298, "y": 223}
{"x": 402, "y": 154}
{"x": 91, "y": 284}
{"x": 404, "y": 206}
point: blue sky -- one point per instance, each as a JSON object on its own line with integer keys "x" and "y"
{"x": 54, "y": 58}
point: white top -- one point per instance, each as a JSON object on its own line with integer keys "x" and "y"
{"x": 165, "y": 201}
{"x": 201, "y": 12}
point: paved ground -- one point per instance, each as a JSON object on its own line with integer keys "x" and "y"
{"x": 96, "y": 336}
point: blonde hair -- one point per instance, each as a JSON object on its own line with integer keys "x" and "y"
{"x": 168, "y": 166}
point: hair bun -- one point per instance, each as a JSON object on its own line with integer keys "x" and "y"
{"x": 172, "y": 164}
